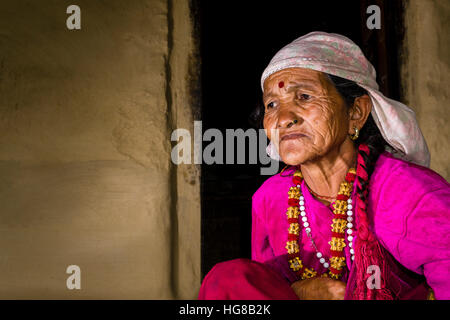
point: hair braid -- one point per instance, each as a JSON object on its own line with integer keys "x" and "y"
{"x": 369, "y": 251}
{"x": 362, "y": 181}
{"x": 368, "y": 154}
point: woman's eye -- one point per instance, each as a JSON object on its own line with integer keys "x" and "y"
{"x": 304, "y": 96}
{"x": 270, "y": 105}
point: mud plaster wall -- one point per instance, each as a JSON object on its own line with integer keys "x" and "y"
{"x": 85, "y": 170}
{"x": 426, "y": 75}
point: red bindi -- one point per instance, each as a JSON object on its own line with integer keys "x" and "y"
{"x": 281, "y": 84}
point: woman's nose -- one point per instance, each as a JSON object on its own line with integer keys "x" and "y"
{"x": 287, "y": 119}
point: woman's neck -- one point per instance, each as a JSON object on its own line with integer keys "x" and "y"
{"x": 325, "y": 174}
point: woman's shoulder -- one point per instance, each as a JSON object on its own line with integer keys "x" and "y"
{"x": 274, "y": 187}
{"x": 398, "y": 191}
{"x": 390, "y": 170}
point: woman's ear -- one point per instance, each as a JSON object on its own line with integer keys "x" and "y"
{"x": 360, "y": 111}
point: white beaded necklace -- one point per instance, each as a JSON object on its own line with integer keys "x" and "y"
{"x": 307, "y": 227}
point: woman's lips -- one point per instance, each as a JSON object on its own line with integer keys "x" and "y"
{"x": 292, "y": 136}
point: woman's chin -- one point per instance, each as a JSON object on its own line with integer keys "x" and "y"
{"x": 293, "y": 152}
{"x": 293, "y": 158}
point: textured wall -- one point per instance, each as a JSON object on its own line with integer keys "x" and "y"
{"x": 426, "y": 75}
{"x": 85, "y": 170}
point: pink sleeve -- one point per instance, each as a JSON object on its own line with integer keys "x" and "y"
{"x": 425, "y": 245}
{"x": 261, "y": 249}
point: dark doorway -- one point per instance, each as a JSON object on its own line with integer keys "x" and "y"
{"x": 237, "y": 41}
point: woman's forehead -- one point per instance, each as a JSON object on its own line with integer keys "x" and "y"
{"x": 292, "y": 74}
{"x": 294, "y": 77}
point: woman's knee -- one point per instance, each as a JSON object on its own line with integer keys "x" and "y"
{"x": 244, "y": 279}
{"x": 236, "y": 268}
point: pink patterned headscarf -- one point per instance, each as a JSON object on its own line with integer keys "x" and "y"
{"x": 337, "y": 55}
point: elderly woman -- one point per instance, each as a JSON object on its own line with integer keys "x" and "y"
{"x": 356, "y": 214}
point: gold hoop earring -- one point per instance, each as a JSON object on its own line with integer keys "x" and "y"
{"x": 356, "y": 135}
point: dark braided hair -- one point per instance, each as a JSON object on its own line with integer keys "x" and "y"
{"x": 370, "y": 144}
{"x": 369, "y": 134}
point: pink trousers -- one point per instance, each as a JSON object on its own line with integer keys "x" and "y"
{"x": 243, "y": 279}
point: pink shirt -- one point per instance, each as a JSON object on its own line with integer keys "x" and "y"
{"x": 409, "y": 212}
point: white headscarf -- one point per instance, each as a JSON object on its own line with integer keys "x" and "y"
{"x": 337, "y": 55}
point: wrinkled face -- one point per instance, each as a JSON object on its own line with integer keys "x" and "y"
{"x": 310, "y": 114}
